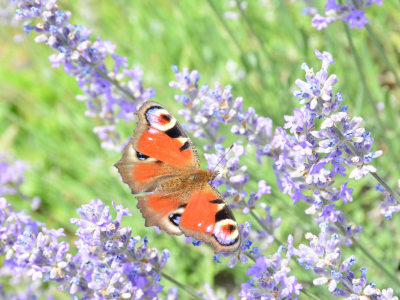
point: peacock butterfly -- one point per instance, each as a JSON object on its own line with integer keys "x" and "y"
{"x": 161, "y": 161}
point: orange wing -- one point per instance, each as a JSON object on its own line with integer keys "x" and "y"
{"x": 159, "y": 135}
{"x": 158, "y": 150}
{"x": 164, "y": 210}
{"x": 208, "y": 217}
{"x": 202, "y": 214}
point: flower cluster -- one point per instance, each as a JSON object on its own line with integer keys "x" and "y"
{"x": 323, "y": 257}
{"x": 12, "y": 177}
{"x": 206, "y": 108}
{"x": 234, "y": 177}
{"x": 111, "y": 94}
{"x": 270, "y": 279}
{"x": 110, "y": 263}
{"x": 348, "y": 233}
{"x": 302, "y": 165}
{"x": 389, "y": 205}
{"x": 351, "y": 12}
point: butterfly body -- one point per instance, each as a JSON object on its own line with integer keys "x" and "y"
{"x": 161, "y": 160}
{"x": 190, "y": 180}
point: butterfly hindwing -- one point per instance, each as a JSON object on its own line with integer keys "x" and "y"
{"x": 208, "y": 217}
{"x": 163, "y": 210}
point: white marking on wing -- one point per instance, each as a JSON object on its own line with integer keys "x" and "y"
{"x": 225, "y": 238}
{"x": 209, "y": 228}
{"x": 153, "y": 131}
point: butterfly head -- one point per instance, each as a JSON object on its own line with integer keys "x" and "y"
{"x": 201, "y": 176}
{"x": 212, "y": 175}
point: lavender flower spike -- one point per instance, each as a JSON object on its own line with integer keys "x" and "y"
{"x": 205, "y": 108}
{"x": 109, "y": 93}
{"x": 12, "y": 177}
{"x": 323, "y": 257}
{"x": 110, "y": 263}
{"x": 320, "y": 150}
{"x": 270, "y": 279}
{"x": 351, "y": 12}
{"x": 389, "y": 205}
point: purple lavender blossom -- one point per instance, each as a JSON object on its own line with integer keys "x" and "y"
{"x": 357, "y": 18}
{"x": 348, "y": 11}
{"x": 234, "y": 177}
{"x": 388, "y": 294}
{"x": 312, "y": 158}
{"x": 266, "y": 237}
{"x": 12, "y": 226}
{"x": 321, "y": 22}
{"x": 111, "y": 94}
{"x": 12, "y": 177}
{"x": 300, "y": 162}
{"x": 270, "y": 279}
{"x": 205, "y": 109}
{"x": 109, "y": 263}
{"x": 173, "y": 294}
{"x": 323, "y": 257}
{"x": 389, "y": 205}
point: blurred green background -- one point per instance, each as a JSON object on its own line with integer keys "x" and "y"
{"x": 42, "y": 123}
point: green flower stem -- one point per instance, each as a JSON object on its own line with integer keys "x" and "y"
{"x": 371, "y": 257}
{"x": 103, "y": 75}
{"x": 187, "y": 289}
{"x": 112, "y": 81}
{"x": 269, "y": 58}
{"x": 382, "y": 53}
{"x": 250, "y": 256}
{"x": 387, "y": 187}
{"x": 276, "y": 240}
{"x": 211, "y": 3}
{"x": 243, "y": 53}
{"x": 369, "y": 96}
{"x": 375, "y": 175}
{"x": 380, "y": 50}
{"x": 393, "y": 277}
{"x": 259, "y": 39}
{"x": 309, "y": 294}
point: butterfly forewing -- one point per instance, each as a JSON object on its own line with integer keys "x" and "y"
{"x": 159, "y": 135}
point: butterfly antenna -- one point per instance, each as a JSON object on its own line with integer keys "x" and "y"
{"x": 221, "y": 160}
{"x": 223, "y": 157}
